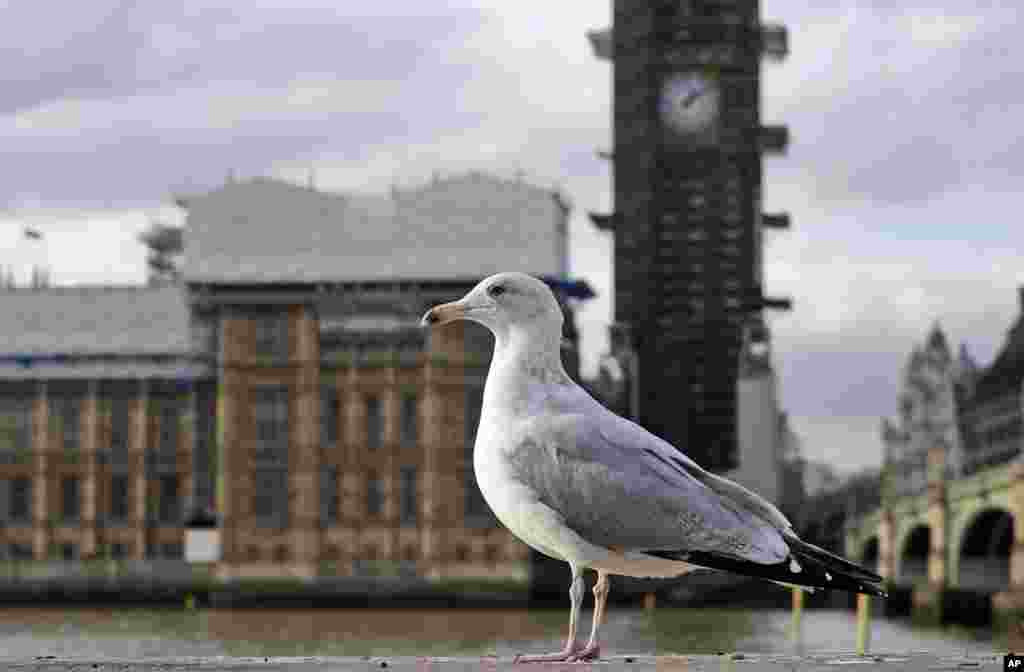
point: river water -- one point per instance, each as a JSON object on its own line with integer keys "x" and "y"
{"x": 146, "y": 633}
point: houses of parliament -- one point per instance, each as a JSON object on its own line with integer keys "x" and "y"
{"x": 281, "y": 393}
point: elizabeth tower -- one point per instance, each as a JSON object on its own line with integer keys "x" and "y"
{"x": 687, "y": 221}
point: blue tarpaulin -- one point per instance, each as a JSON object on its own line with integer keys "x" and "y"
{"x": 573, "y": 289}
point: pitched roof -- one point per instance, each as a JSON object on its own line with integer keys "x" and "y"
{"x": 937, "y": 339}
{"x": 264, "y": 231}
{"x": 1006, "y": 373}
{"x": 94, "y": 320}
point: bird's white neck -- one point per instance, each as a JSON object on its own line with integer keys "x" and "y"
{"x": 523, "y": 360}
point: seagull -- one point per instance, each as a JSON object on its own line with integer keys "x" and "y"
{"x": 580, "y": 484}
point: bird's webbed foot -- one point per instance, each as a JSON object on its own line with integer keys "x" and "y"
{"x": 588, "y": 653}
{"x": 572, "y": 647}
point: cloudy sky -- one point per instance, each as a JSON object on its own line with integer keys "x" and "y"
{"x": 902, "y": 177}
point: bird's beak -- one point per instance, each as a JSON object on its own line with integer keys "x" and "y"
{"x": 445, "y": 313}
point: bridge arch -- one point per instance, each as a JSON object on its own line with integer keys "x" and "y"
{"x": 983, "y": 550}
{"x": 912, "y": 563}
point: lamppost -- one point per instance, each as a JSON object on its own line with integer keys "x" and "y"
{"x": 38, "y": 277}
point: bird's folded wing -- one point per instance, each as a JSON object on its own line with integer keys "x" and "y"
{"x": 617, "y": 485}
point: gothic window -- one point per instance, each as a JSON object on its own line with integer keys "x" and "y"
{"x": 330, "y": 415}
{"x": 271, "y": 335}
{"x": 170, "y": 413}
{"x": 64, "y": 412}
{"x": 205, "y": 456}
{"x": 408, "y": 495}
{"x": 119, "y": 498}
{"x": 70, "y": 499}
{"x": 20, "y": 508}
{"x": 409, "y": 423}
{"x": 374, "y": 422}
{"x": 270, "y": 416}
{"x": 374, "y": 495}
{"x": 120, "y": 424}
{"x": 270, "y": 497}
{"x": 329, "y": 495}
{"x": 169, "y": 511}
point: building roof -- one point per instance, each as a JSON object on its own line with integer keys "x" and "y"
{"x": 93, "y": 320}
{"x": 937, "y": 339}
{"x": 265, "y": 231}
{"x": 1006, "y": 372}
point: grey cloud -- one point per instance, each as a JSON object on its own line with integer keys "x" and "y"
{"x": 835, "y": 379}
{"x": 891, "y": 134}
{"x": 90, "y": 50}
{"x": 145, "y": 154}
{"x": 905, "y": 169}
{"x": 858, "y": 371}
{"x": 120, "y": 48}
{"x": 139, "y": 167}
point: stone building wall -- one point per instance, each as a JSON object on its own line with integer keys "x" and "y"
{"x": 48, "y": 463}
{"x": 438, "y": 543}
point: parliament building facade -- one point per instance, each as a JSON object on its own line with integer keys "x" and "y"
{"x": 282, "y": 395}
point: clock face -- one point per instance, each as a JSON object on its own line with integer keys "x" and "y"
{"x": 688, "y": 106}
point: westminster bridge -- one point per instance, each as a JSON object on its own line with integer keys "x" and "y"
{"x": 943, "y": 520}
{"x": 944, "y": 534}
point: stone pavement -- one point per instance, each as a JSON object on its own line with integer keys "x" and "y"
{"x": 735, "y": 662}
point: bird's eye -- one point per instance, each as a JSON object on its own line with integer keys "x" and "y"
{"x": 496, "y": 290}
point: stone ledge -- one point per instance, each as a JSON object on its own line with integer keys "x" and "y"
{"x": 832, "y": 662}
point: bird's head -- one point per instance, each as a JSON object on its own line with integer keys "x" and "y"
{"x": 504, "y": 303}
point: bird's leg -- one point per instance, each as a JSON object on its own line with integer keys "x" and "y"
{"x": 576, "y": 590}
{"x": 592, "y": 651}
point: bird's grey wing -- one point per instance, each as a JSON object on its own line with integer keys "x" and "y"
{"x": 617, "y": 485}
{"x": 623, "y": 432}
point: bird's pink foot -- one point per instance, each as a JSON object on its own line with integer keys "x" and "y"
{"x": 571, "y": 649}
{"x": 586, "y": 654}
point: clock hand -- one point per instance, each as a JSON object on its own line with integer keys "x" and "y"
{"x": 692, "y": 97}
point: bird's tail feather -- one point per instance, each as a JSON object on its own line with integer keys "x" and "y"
{"x": 815, "y": 569}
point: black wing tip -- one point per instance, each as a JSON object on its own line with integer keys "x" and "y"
{"x": 873, "y": 591}
{"x": 813, "y": 573}
{"x": 834, "y": 562}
